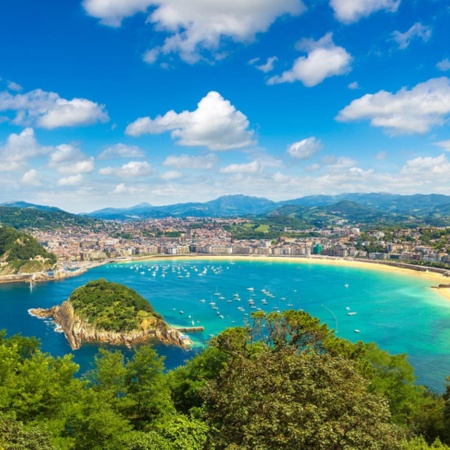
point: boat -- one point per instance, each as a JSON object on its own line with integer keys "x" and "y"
{"x": 352, "y": 313}
{"x": 356, "y": 331}
{"x": 346, "y": 285}
{"x": 181, "y": 312}
{"x": 250, "y": 289}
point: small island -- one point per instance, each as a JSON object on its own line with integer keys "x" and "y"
{"x": 107, "y": 312}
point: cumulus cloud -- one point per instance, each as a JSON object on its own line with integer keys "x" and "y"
{"x": 133, "y": 169}
{"x": 305, "y": 149}
{"x": 428, "y": 166}
{"x": 121, "y": 151}
{"x": 443, "y": 65}
{"x": 18, "y": 149}
{"x": 416, "y": 31}
{"x": 196, "y": 27}
{"x": 324, "y": 60}
{"x": 31, "y": 178}
{"x": 348, "y": 11}
{"x": 121, "y": 189}
{"x": 407, "y": 111}
{"x": 215, "y": 124}
{"x": 73, "y": 180}
{"x": 191, "y": 162}
{"x": 68, "y": 159}
{"x": 48, "y": 110}
{"x": 251, "y": 167}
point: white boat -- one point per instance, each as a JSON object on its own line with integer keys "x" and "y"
{"x": 352, "y": 313}
{"x": 356, "y": 331}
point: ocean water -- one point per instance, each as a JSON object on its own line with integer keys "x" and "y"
{"x": 397, "y": 311}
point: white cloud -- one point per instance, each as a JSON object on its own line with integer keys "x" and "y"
{"x": 305, "y": 149}
{"x": 267, "y": 66}
{"x": 417, "y": 30}
{"x": 354, "y": 85}
{"x": 338, "y": 163}
{"x": 171, "y": 175}
{"x": 324, "y": 60}
{"x": 191, "y": 162}
{"x": 215, "y": 124}
{"x": 49, "y": 110}
{"x": 196, "y": 27}
{"x": 122, "y": 151}
{"x": 19, "y": 148}
{"x": 73, "y": 180}
{"x": 407, "y": 111}
{"x": 112, "y": 12}
{"x": 251, "y": 167}
{"x": 121, "y": 189}
{"x": 133, "y": 169}
{"x": 444, "y": 144}
{"x": 31, "y": 178}
{"x": 68, "y": 159}
{"x": 12, "y": 86}
{"x": 428, "y": 167}
{"x": 150, "y": 56}
{"x": 348, "y": 11}
{"x": 443, "y": 65}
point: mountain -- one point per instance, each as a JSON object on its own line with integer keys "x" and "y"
{"x": 226, "y": 206}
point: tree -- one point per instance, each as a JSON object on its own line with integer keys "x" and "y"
{"x": 285, "y": 400}
{"x": 146, "y": 387}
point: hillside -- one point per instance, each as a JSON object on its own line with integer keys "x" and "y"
{"x": 21, "y": 253}
{"x": 107, "y": 312}
{"x": 41, "y": 219}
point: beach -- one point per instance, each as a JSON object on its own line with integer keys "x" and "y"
{"x": 439, "y": 278}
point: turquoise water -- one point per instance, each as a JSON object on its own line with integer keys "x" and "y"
{"x": 399, "y": 312}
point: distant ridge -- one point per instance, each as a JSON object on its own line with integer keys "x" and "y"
{"x": 25, "y": 205}
{"x": 243, "y": 205}
{"x": 353, "y": 206}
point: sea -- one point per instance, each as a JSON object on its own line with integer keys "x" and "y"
{"x": 398, "y": 311}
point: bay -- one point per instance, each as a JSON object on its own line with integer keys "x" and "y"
{"x": 397, "y": 311}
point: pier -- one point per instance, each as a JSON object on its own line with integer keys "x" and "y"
{"x": 190, "y": 329}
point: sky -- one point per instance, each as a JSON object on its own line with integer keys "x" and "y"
{"x": 110, "y": 103}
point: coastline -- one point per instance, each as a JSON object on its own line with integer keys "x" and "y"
{"x": 439, "y": 278}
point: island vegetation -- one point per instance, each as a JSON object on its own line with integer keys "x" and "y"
{"x": 21, "y": 253}
{"x": 111, "y": 306}
{"x": 283, "y": 382}
{"x": 108, "y": 312}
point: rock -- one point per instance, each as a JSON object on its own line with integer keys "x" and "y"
{"x": 78, "y": 330}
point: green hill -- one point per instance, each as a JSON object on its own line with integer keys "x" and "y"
{"x": 27, "y": 218}
{"x": 111, "y": 306}
{"x": 21, "y": 253}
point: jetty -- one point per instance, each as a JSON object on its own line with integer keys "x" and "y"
{"x": 189, "y": 329}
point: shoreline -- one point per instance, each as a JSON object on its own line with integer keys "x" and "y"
{"x": 440, "y": 278}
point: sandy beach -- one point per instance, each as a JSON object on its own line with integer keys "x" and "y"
{"x": 423, "y": 272}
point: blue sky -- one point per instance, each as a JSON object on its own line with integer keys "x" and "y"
{"x": 117, "y": 102}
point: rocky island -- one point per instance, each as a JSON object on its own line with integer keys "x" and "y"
{"x": 107, "y": 312}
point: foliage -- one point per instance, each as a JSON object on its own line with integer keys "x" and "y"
{"x": 28, "y": 218}
{"x": 111, "y": 306}
{"x": 19, "y": 248}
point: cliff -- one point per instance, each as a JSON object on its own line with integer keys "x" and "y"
{"x": 78, "y": 330}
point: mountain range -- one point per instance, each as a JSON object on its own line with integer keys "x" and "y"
{"x": 354, "y": 207}
{"x": 242, "y": 205}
